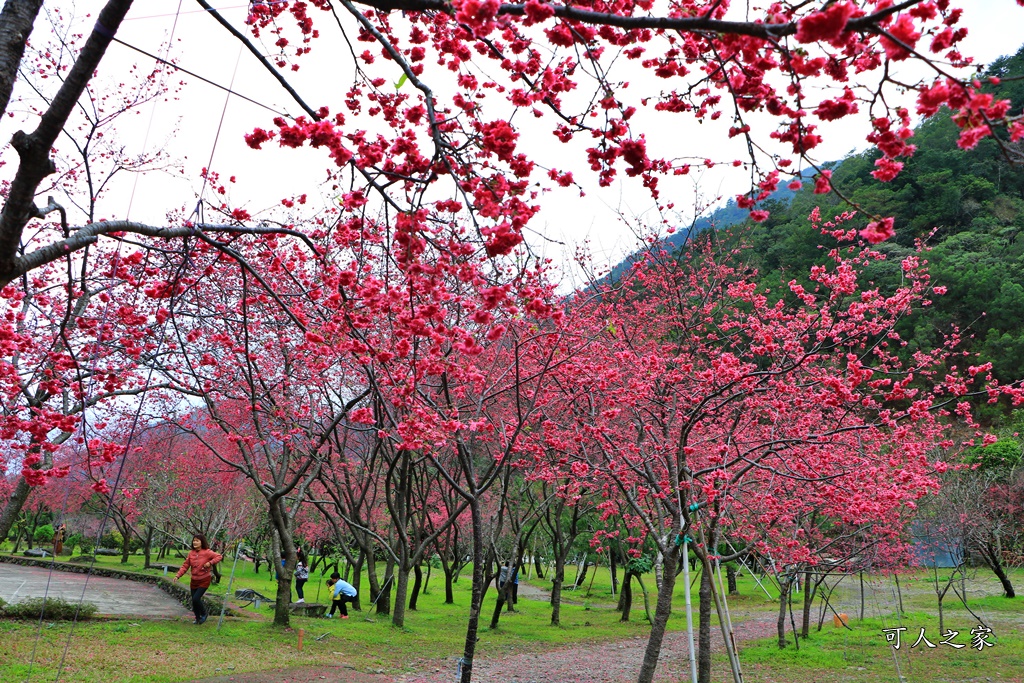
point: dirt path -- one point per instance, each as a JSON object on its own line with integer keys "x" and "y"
{"x": 604, "y": 663}
{"x": 615, "y": 662}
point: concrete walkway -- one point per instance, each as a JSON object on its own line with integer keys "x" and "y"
{"x": 111, "y": 596}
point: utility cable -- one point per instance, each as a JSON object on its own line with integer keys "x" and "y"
{"x": 163, "y": 336}
{"x": 201, "y": 78}
{"x": 152, "y": 111}
{"x": 131, "y": 435}
{"x": 120, "y": 472}
{"x": 85, "y": 396}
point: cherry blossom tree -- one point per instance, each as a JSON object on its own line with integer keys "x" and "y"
{"x": 185, "y": 490}
{"x": 449, "y": 138}
{"x": 72, "y": 337}
{"x": 69, "y": 348}
{"x": 564, "y": 520}
{"x": 724, "y": 414}
{"x": 351, "y": 503}
{"x": 408, "y": 313}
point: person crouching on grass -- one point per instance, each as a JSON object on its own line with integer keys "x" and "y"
{"x": 342, "y": 592}
{"x": 200, "y": 561}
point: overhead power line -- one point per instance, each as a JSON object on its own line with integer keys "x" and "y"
{"x": 204, "y": 80}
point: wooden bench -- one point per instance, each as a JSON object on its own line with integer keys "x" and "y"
{"x": 307, "y": 609}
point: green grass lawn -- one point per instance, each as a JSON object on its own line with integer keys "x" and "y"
{"x": 862, "y": 654}
{"x": 126, "y": 650}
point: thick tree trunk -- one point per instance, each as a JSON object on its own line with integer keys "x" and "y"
{"x": 16, "y": 22}
{"x": 473, "y": 625}
{"x": 357, "y": 571}
{"x": 558, "y": 577}
{"x": 30, "y": 535}
{"x": 809, "y": 591}
{"x": 997, "y": 569}
{"x": 34, "y": 148}
{"x": 283, "y": 599}
{"x": 626, "y": 596}
{"x": 126, "y": 542}
{"x": 730, "y": 577}
{"x": 706, "y": 603}
{"x": 371, "y": 575}
{"x": 556, "y": 594}
{"x": 537, "y": 566}
{"x": 14, "y": 504}
{"x": 449, "y": 588}
{"x": 384, "y": 596}
{"x": 401, "y": 591}
{"x": 781, "y": 623}
{"x": 661, "y": 615}
{"x": 285, "y": 544}
{"x": 504, "y": 597}
{"x": 991, "y": 555}
{"x": 581, "y": 576}
{"x": 147, "y": 547}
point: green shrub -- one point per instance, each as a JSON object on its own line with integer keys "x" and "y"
{"x": 640, "y": 565}
{"x": 111, "y": 539}
{"x": 1004, "y": 454}
{"x": 44, "y": 533}
{"x": 52, "y": 609}
{"x": 74, "y": 541}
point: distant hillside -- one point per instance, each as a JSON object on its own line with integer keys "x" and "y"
{"x": 722, "y": 217}
{"x": 966, "y": 206}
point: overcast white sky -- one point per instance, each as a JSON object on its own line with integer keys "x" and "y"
{"x": 188, "y": 126}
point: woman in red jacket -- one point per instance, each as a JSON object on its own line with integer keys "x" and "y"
{"x": 200, "y": 560}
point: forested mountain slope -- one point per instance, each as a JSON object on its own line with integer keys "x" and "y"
{"x": 967, "y": 206}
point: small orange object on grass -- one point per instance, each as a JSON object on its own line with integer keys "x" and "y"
{"x": 841, "y": 619}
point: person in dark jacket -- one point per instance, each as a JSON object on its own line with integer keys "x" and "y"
{"x": 200, "y": 561}
{"x": 301, "y": 574}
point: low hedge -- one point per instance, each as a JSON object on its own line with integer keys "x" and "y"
{"x": 176, "y": 590}
{"x": 49, "y": 609}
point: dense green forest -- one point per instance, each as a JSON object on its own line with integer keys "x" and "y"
{"x": 967, "y": 206}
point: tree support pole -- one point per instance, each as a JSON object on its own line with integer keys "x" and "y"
{"x": 689, "y": 610}
{"x": 752, "y": 574}
{"x": 734, "y": 662}
{"x": 725, "y": 604}
{"x": 231, "y": 579}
